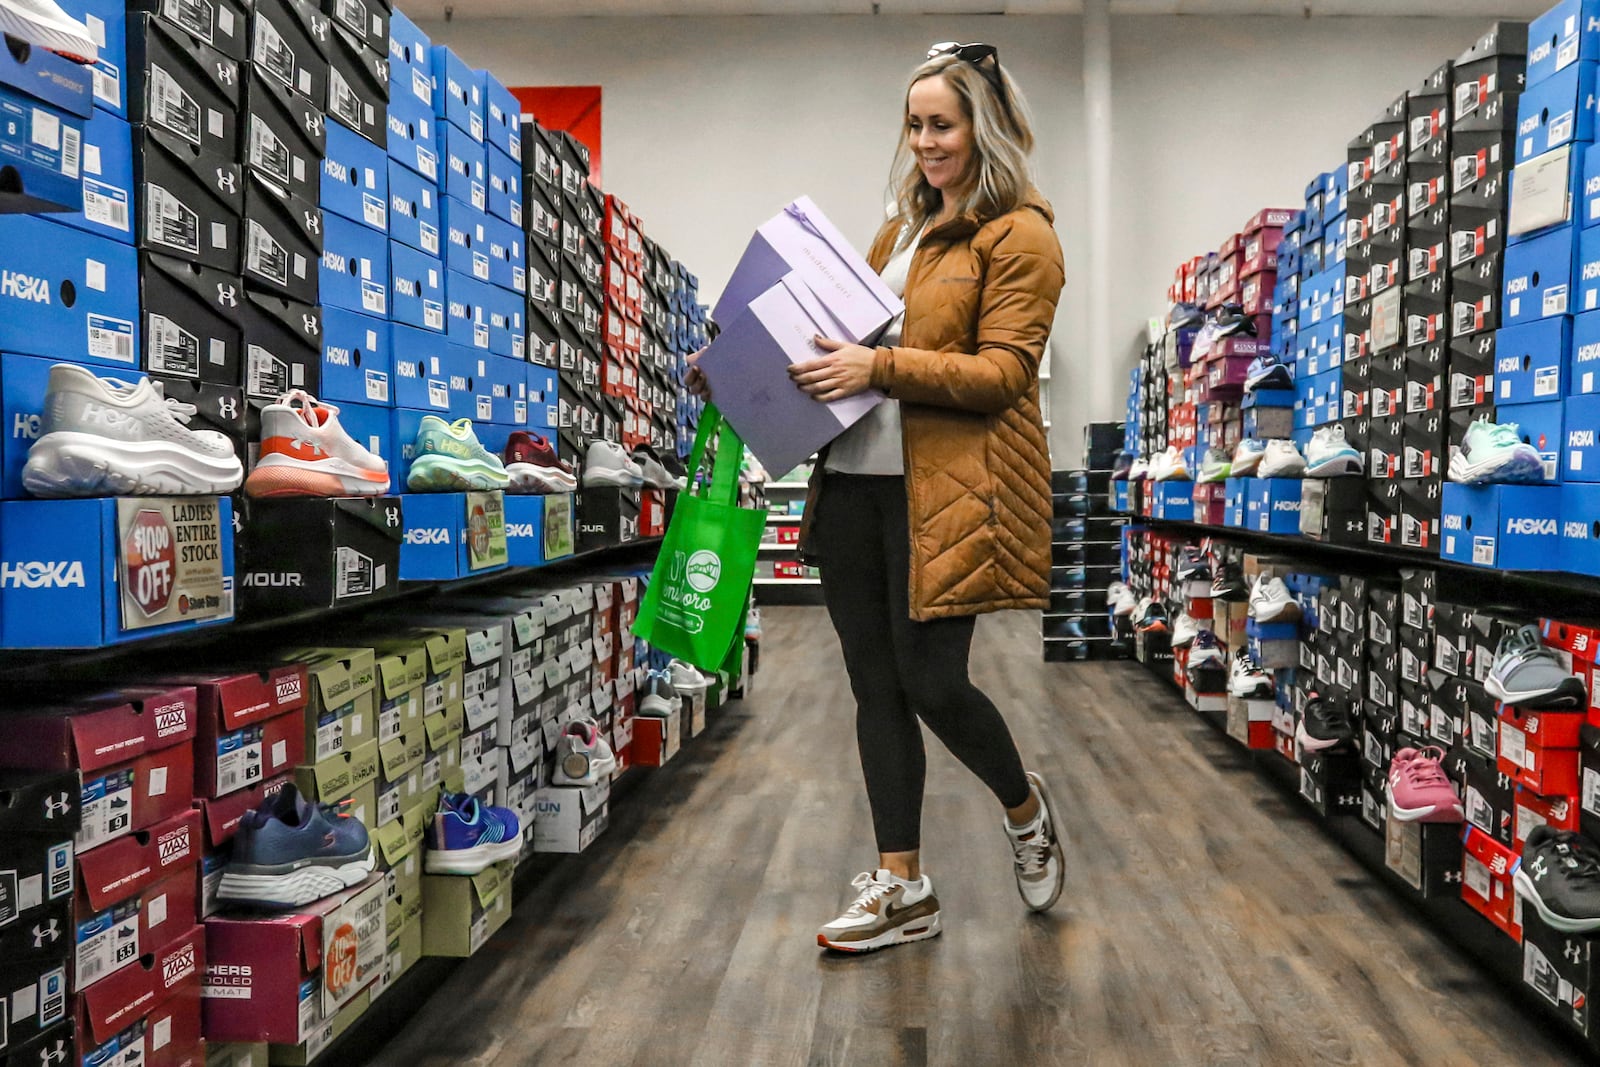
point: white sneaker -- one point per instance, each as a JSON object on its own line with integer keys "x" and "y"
{"x": 887, "y": 911}
{"x": 44, "y": 23}
{"x": 582, "y": 756}
{"x": 1209, "y": 654}
{"x": 1271, "y": 601}
{"x": 655, "y": 475}
{"x": 305, "y": 452}
{"x": 606, "y": 464}
{"x": 1184, "y": 629}
{"x": 686, "y": 679}
{"x": 1037, "y": 857}
{"x": 660, "y": 698}
{"x": 1121, "y": 600}
{"x": 101, "y": 437}
{"x": 1247, "y": 681}
{"x": 1282, "y": 460}
{"x": 1216, "y": 467}
{"x": 1329, "y": 455}
{"x": 1247, "y": 458}
{"x": 1169, "y": 466}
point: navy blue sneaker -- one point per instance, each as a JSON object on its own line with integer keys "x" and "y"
{"x": 290, "y": 851}
{"x": 1185, "y": 317}
{"x": 466, "y": 836}
{"x": 1267, "y": 372}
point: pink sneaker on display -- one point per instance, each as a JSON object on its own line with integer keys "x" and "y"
{"x": 1418, "y": 788}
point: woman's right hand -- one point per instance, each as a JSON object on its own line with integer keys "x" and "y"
{"x": 694, "y": 379}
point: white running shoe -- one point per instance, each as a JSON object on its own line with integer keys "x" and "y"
{"x": 1184, "y": 628}
{"x": 1329, "y": 455}
{"x": 305, "y": 452}
{"x": 1282, "y": 460}
{"x": 1215, "y": 468}
{"x": 1121, "y": 599}
{"x": 1169, "y": 466}
{"x": 606, "y": 464}
{"x": 583, "y": 757}
{"x": 44, "y": 23}
{"x": 1271, "y": 601}
{"x": 102, "y": 437}
{"x": 1248, "y": 681}
{"x": 887, "y": 911}
{"x": 686, "y": 679}
{"x": 1247, "y": 458}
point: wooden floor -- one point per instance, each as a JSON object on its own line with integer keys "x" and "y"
{"x": 1205, "y": 923}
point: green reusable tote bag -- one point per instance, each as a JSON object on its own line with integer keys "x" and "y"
{"x": 694, "y": 607}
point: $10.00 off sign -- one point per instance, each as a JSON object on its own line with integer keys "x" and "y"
{"x": 169, "y": 561}
{"x": 686, "y": 597}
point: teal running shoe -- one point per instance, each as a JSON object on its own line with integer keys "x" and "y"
{"x": 449, "y": 459}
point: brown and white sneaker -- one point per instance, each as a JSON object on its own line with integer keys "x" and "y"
{"x": 888, "y": 911}
{"x": 1040, "y": 863}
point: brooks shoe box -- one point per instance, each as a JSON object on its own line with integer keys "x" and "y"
{"x": 416, "y": 289}
{"x": 189, "y": 202}
{"x": 107, "y": 164}
{"x": 319, "y": 553}
{"x": 355, "y": 267}
{"x": 186, "y": 88}
{"x": 285, "y": 136}
{"x": 191, "y": 325}
{"x": 413, "y": 210}
{"x": 358, "y": 86}
{"x": 283, "y": 345}
{"x": 42, "y": 264}
{"x": 356, "y": 179}
{"x": 283, "y": 241}
{"x": 357, "y": 365}
{"x": 421, "y": 380}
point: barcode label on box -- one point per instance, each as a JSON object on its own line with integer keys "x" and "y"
{"x": 110, "y": 338}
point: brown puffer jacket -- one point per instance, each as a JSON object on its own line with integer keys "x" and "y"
{"x": 980, "y": 300}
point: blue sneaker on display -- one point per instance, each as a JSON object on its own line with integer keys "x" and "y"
{"x": 1329, "y": 455}
{"x": 1265, "y": 372}
{"x": 290, "y": 851}
{"x": 466, "y": 836}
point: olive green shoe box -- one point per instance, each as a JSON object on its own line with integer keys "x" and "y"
{"x": 461, "y": 912}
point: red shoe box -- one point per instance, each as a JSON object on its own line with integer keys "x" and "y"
{"x": 131, "y": 796}
{"x": 1284, "y": 745}
{"x": 115, "y": 935}
{"x": 1578, "y": 645}
{"x": 1486, "y": 868}
{"x": 169, "y": 1036}
{"x": 222, "y": 816}
{"x": 653, "y": 513}
{"x": 251, "y": 727}
{"x": 1210, "y": 503}
{"x": 1200, "y": 610}
{"x": 137, "y": 861}
{"x": 1539, "y": 749}
{"x": 120, "y": 1000}
{"x": 1559, "y": 812}
{"x": 98, "y": 732}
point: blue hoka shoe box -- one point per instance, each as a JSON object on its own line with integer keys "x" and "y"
{"x": 525, "y": 530}
{"x": 466, "y": 316}
{"x": 413, "y": 209}
{"x": 1580, "y": 455}
{"x": 373, "y": 428}
{"x": 413, "y": 136}
{"x": 1506, "y": 527}
{"x": 357, "y": 366}
{"x": 508, "y": 266}
{"x": 410, "y": 62}
{"x": 355, "y": 267}
{"x": 463, "y": 167}
{"x": 543, "y": 409}
{"x": 107, "y": 179}
{"x": 66, "y": 294}
{"x": 1566, "y": 34}
{"x": 505, "y": 188}
{"x": 1559, "y": 111}
{"x": 471, "y": 395}
{"x": 1531, "y": 361}
{"x": 1541, "y": 426}
{"x": 355, "y": 179}
{"x": 1540, "y": 276}
{"x": 417, "y": 288}
{"x": 64, "y": 570}
{"x": 506, "y": 312}
{"x": 1173, "y": 500}
{"x": 421, "y": 380}
{"x": 1584, "y": 375}
{"x": 1272, "y": 505}
{"x": 502, "y": 120}
{"x": 466, "y": 238}
{"x": 436, "y": 546}
{"x": 457, "y": 93}
{"x": 1580, "y": 529}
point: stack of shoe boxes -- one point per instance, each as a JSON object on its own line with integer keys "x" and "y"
{"x": 1319, "y": 327}
{"x": 117, "y": 900}
{"x": 1085, "y": 554}
{"x": 579, "y": 278}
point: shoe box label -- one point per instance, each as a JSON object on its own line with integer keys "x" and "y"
{"x": 1566, "y": 34}
{"x": 107, "y": 178}
{"x": 367, "y": 22}
{"x": 285, "y": 137}
{"x": 355, "y": 269}
{"x": 1539, "y": 277}
{"x": 466, "y": 238}
{"x": 357, "y": 365}
{"x": 507, "y": 263}
{"x": 282, "y": 345}
{"x": 466, "y": 315}
{"x": 186, "y": 88}
{"x": 358, "y": 87}
{"x": 413, "y": 210}
{"x": 282, "y": 241}
{"x": 36, "y": 897}
{"x": 542, "y": 216}
{"x": 421, "y": 378}
{"x": 246, "y": 757}
{"x": 1510, "y": 527}
{"x": 1531, "y": 361}
{"x": 417, "y": 287}
{"x": 330, "y": 552}
{"x": 458, "y": 93}
{"x": 543, "y": 282}
{"x": 505, "y": 187}
{"x": 66, "y": 294}
{"x": 43, "y": 148}
{"x": 356, "y": 180}
{"x": 1557, "y": 112}
{"x": 288, "y": 43}
{"x": 191, "y": 325}
{"x": 189, "y": 203}
{"x": 464, "y": 164}
{"x": 220, "y": 24}
{"x": 413, "y": 138}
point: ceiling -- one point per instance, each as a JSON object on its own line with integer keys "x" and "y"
{"x": 481, "y": 9}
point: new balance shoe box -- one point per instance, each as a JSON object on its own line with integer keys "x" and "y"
{"x": 97, "y": 579}
{"x": 66, "y": 294}
{"x": 414, "y": 217}
{"x": 421, "y": 383}
{"x": 135, "y": 894}
{"x": 366, "y": 22}
{"x": 1539, "y": 749}
{"x": 1557, "y": 966}
{"x": 357, "y": 362}
{"x": 271, "y": 980}
{"x": 464, "y": 163}
{"x": 282, "y": 343}
{"x": 288, "y": 43}
{"x": 356, "y": 180}
{"x": 354, "y": 271}
{"x": 413, "y": 136}
{"x": 285, "y": 136}
{"x": 36, "y": 862}
{"x": 177, "y": 84}
{"x": 1556, "y": 112}
{"x": 189, "y": 203}
{"x": 1486, "y": 884}
{"x": 283, "y": 241}
{"x": 319, "y": 553}
{"x": 191, "y": 326}
{"x": 416, "y": 289}
{"x": 358, "y": 86}
{"x": 1506, "y": 527}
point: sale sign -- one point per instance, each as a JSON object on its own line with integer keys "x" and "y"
{"x": 486, "y": 531}
{"x": 170, "y": 565}
{"x": 353, "y": 944}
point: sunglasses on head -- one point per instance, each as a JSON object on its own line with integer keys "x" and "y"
{"x": 974, "y": 56}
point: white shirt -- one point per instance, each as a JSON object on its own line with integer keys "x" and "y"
{"x": 874, "y": 444}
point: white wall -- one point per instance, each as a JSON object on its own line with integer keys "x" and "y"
{"x": 711, "y": 124}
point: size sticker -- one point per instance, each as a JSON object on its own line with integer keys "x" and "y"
{"x": 377, "y": 385}
{"x": 1555, "y": 301}
{"x": 374, "y": 298}
{"x": 110, "y": 339}
{"x": 1514, "y": 746}
{"x": 1483, "y": 551}
{"x": 107, "y": 806}
{"x": 171, "y": 222}
{"x": 268, "y": 153}
{"x": 171, "y": 108}
{"x": 239, "y": 760}
{"x": 272, "y": 53}
{"x": 355, "y": 574}
{"x": 265, "y": 374}
{"x": 264, "y": 256}
{"x": 105, "y": 205}
{"x": 107, "y": 941}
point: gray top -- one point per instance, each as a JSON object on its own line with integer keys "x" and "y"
{"x": 873, "y": 445}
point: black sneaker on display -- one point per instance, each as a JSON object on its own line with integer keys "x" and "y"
{"x": 1227, "y": 583}
{"x": 1326, "y": 724}
{"x": 1194, "y": 565}
{"x": 1559, "y": 874}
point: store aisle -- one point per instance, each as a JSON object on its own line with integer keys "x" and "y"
{"x": 1205, "y": 922}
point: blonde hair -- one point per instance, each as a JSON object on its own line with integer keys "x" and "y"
{"x": 1002, "y": 137}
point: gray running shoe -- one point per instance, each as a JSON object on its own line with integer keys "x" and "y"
{"x": 1525, "y": 674}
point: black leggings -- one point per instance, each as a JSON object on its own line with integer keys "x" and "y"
{"x": 902, "y": 670}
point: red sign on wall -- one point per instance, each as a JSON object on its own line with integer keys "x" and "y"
{"x": 574, "y": 108}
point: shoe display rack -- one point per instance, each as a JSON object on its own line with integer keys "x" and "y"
{"x": 1085, "y": 556}
{"x": 1389, "y": 497}
{"x": 780, "y": 577}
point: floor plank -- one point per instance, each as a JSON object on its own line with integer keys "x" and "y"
{"x": 1206, "y": 923}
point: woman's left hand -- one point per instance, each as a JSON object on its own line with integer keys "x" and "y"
{"x": 844, "y": 372}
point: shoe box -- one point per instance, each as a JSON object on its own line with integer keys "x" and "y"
{"x": 464, "y": 912}
{"x": 1506, "y": 527}
{"x": 191, "y": 326}
{"x": 319, "y": 553}
{"x": 67, "y": 294}
{"x": 413, "y": 133}
{"x": 102, "y": 572}
{"x": 357, "y": 360}
{"x": 107, "y": 179}
{"x": 417, "y": 288}
{"x": 182, "y": 86}
{"x": 464, "y": 167}
{"x": 452, "y": 535}
{"x": 570, "y": 818}
{"x": 274, "y": 981}
{"x": 414, "y": 210}
{"x": 36, "y": 865}
{"x": 1425, "y": 856}
{"x": 289, "y": 43}
{"x": 283, "y": 241}
{"x": 1539, "y": 750}
{"x": 1486, "y": 885}
{"x": 251, "y": 726}
{"x": 341, "y": 723}
{"x": 354, "y": 270}
{"x": 466, "y": 238}
{"x": 607, "y": 515}
{"x": 1557, "y": 966}
{"x": 505, "y": 187}
{"x": 152, "y": 1011}
{"x": 421, "y": 384}
{"x": 283, "y": 345}
{"x": 466, "y": 312}
{"x": 1552, "y": 113}
{"x": 358, "y": 85}
{"x": 136, "y": 895}
{"x": 355, "y": 180}
{"x": 285, "y": 136}
{"x": 189, "y": 202}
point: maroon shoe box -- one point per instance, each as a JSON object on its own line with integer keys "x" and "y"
{"x": 251, "y": 726}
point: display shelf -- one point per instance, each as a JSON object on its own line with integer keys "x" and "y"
{"x": 788, "y": 581}
{"x": 771, "y": 518}
{"x": 788, "y": 486}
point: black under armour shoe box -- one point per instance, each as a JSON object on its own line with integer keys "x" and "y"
{"x": 284, "y": 136}
{"x": 1558, "y": 967}
{"x": 1488, "y": 797}
{"x": 289, "y": 44}
{"x": 38, "y": 819}
{"x": 282, "y": 241}
{"x": 1426, "y": 857}
{"x": 1475, "y": 299}
{"x": 217, "y": 407}
{"x": 189, "y": 201}
{"x": 366, "y": 21}
{"x": 191, "y": 327}
{"x": 282, "y": 345}
{"x": 607, "y": 516}
{"x": 1489, "y": 77}
{"x": 304, "y": 553}
{"x": 1380, "y": 728}
{"x": 182, "y": 86}
{"x": 1331, "y": 783}
{"x": 358, "y": 86}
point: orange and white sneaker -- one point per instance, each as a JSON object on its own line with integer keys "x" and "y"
{"x": 305, "y": 452}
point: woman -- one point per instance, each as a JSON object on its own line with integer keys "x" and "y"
{"x": 936, "y": 507}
